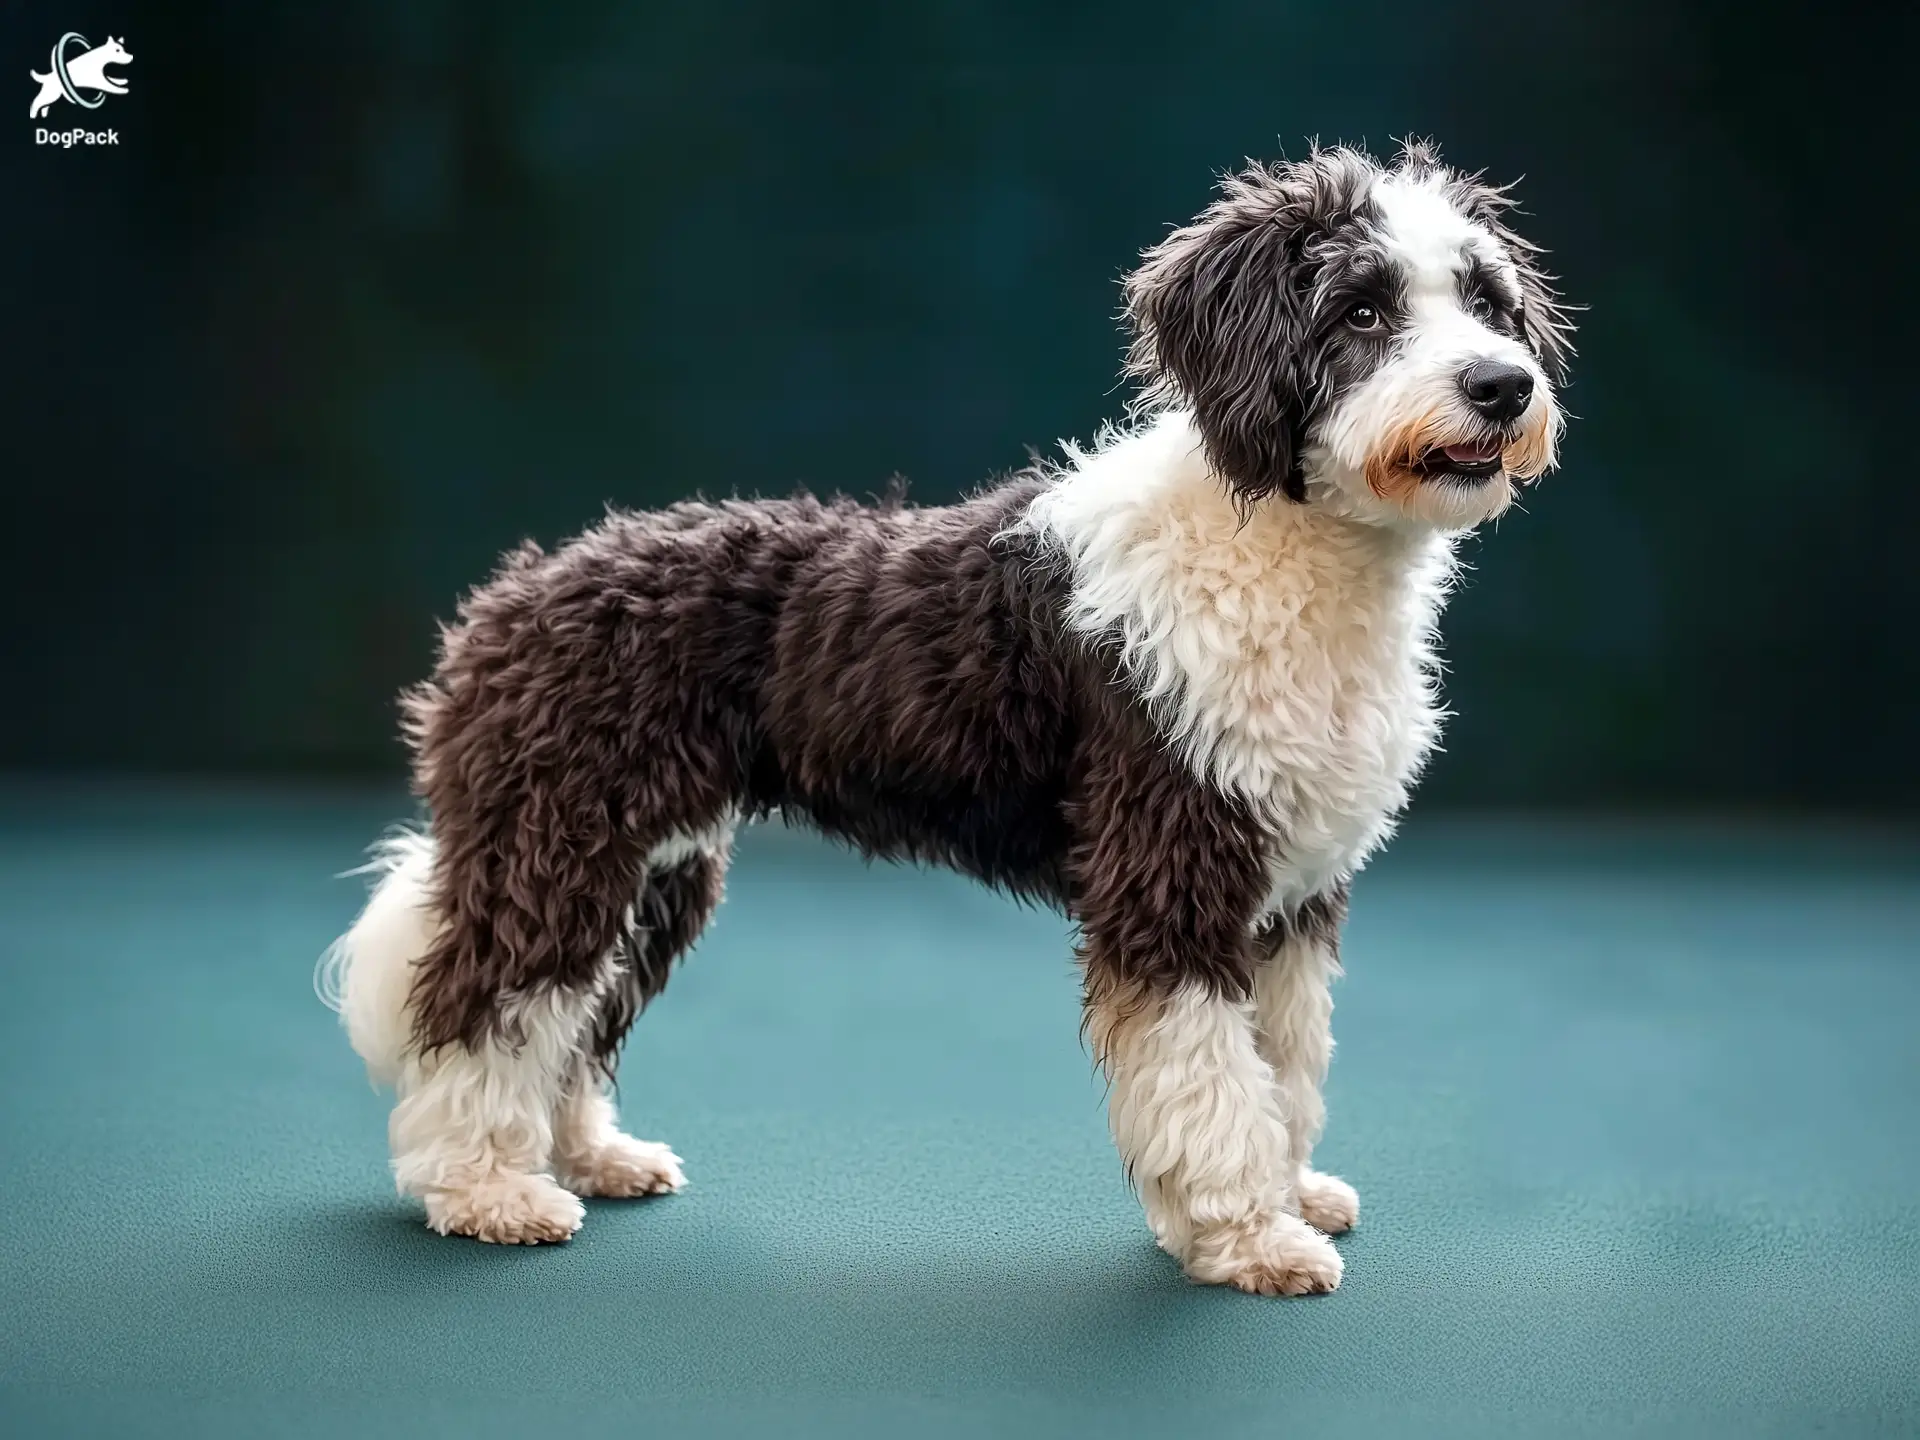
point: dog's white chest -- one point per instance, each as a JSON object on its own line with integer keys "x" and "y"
{"x": 1332, "y": 790}
{"x": 1286, "y": 655}
{"x": 1313, "y": 700}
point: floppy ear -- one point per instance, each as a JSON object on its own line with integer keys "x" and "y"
{"x": 1543, "y": 318}
{"x": 1545, "y": 321}
{"x": 1215, "y": 324}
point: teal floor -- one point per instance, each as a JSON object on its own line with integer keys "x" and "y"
{"x": 1634, "y": 1113}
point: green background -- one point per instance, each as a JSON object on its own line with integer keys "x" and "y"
{"x": 371, "y": 290}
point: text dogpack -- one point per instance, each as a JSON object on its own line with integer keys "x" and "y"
{"x": 67, "y": 139}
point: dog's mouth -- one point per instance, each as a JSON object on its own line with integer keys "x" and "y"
{"x": 1468, "y": 459}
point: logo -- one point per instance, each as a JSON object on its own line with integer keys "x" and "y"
{"x": 76, "y": 66}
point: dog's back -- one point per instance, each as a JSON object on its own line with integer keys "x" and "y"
{"x": 896, "y": 673}
{"x": 920, "y": 699}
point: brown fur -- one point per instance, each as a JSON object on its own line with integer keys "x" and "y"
{"x": 900, "y": 677}
{"x": 1390, "y": 468}
{"x": 673, "y": 908}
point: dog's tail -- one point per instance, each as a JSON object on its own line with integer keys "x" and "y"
{"x": 367, "y": 974}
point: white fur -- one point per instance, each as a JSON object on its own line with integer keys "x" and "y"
{"x": 1430, "y": 242}
{"x": 595, "y": 1157}
{"x": 464, "y": 1114}
{"x": 1198, "y": 1120}
{"x": 473, "y": 1130}
{"x": 677, "y": 849}
{"x": 1293, "y": 1011}
{"x": 367, "y": 973}
{"x": 1288, "y": 654}
{"x": 1293, "y": 1018}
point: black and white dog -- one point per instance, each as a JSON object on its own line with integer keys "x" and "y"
{"x": 1178, "y": 685}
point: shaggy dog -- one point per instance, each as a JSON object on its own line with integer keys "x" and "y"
{"x": 1178, "y": 686}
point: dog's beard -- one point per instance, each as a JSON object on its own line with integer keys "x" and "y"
{"x": 1410, "y": 454}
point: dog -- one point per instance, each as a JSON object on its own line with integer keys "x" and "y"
{"x": 86, "y": 71}
{"x": 1178, "y": 684}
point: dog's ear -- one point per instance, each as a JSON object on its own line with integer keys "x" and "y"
{"x": 1545, "y": 321}
{"x": 1214, "y": 311}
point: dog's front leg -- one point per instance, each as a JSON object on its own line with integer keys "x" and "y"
{"x": 1197, "y": 1118}
{"x": 1169, "y": 876}
{"x": 1293, "y": 1012}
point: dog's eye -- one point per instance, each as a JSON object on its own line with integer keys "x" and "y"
{"x": 1480, "y": 307}
{"x": 1362, "y": 317}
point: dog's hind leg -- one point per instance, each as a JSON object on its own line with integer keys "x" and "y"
{"x": 471, "y": 1131}
{"x": 472, "y": 1134}
{"x": 567, "y": 748}
{"x": 593, "y": 1155}
{"x": 538, "y": 910}
{"x": 479, "y": 977}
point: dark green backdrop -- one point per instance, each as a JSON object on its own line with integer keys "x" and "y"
{"x": 371, "y": 290}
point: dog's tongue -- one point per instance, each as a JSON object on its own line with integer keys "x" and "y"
{"x": 1478, "y": 453}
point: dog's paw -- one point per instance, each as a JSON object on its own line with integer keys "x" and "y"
{"x": 1327, "y": 1202}
{"x": 1270, "y": 1255}
{"x": 622, "y": 1167}
{"x": 507, "y": 1209}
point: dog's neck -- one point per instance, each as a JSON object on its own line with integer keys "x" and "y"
{"x": 1287, "y": 652}
{"x": 1145, "y": 500}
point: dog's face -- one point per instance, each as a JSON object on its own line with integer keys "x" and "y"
{"x": 1373, "y": 340}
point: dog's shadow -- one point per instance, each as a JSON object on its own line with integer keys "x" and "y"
{"x": 1112, "y": 1304}
{"x": 390, "y": 1237}
{"x": 393, "y": 1236}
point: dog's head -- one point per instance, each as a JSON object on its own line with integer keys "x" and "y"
{"x": 1372, "y": 339}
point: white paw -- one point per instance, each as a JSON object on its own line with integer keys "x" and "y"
{"x": 1327, "y": 1202}
{"x": 1275, "y": 1254}
{"x": 621, "y": 1167}
{"x": 507, "y": 1209}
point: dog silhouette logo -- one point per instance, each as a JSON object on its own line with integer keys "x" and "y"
{"x": 71, "y": 73}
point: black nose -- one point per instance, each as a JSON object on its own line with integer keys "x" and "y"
{"x": 1498, "y": 391}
